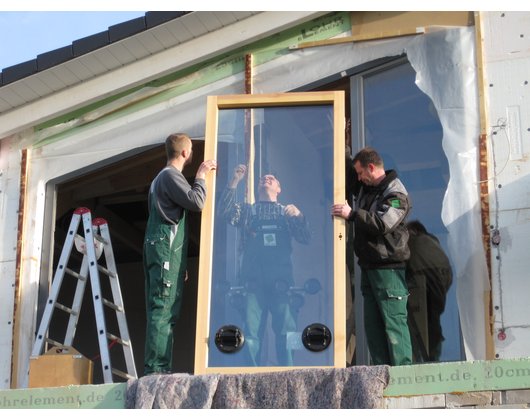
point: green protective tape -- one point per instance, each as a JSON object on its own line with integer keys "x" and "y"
{"x": 210, "y": 71}
{"x": 71, "y": 397}
{"x": 449, "y": 377}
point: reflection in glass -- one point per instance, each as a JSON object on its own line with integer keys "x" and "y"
{"x": 272, "y": 272}
{"x": 402, "y": 124}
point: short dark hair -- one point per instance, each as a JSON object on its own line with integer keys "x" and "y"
{"x": 366, "y": 156}
{"x": 175, "y": 144}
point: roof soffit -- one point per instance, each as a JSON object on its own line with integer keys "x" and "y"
{"x": 48, "y": 94}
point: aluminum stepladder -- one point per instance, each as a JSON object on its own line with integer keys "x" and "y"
{"x": 92, "y": 245}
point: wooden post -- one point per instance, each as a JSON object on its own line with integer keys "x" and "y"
{"x": 484, "y": 190}
{"x": 250, "y": 154}
{"x": 18, "y": 269}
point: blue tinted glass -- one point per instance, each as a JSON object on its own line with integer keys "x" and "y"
{"x": 272, "y": 269}
{"x": 402, "y": 124}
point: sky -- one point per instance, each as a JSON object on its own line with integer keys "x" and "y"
{"x": 26, "y": 34}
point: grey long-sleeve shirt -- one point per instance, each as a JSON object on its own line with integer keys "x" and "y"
{"x": 172, "y": 193}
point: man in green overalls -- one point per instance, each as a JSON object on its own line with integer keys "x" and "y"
{"x": 382, "y": 206}
{"x": 166, "y": 248}
{"x": 267, "y": 229}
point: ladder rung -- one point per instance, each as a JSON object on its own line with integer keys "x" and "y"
{"x": 55, "y": 343}
{"x": 105, "y": 271}
{"x": 120, "y": 341}
{"x": 100, "y": 238}
{"x": 112, "y": 305}
{"x": 74, "y": 274}
{"x": 65, "y": 308}
{"x": 122, "y": 374}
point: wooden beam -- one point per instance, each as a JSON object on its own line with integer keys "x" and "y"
{"x": 274, "y": 99}
{"x": 19, "y": 291}
{"x": 206, "y": 241}
{"x": 366, "y": 22}
{"x": 250, "y": 155}
{"x": 368, "y": 26}
{"x": 484, "y": 190}
{"x": 364, "y": 37}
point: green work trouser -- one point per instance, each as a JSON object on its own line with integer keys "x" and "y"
{"x": 165, "y": 258}
{"x": 385, "y": 316}
{"x": 267, "y": 261}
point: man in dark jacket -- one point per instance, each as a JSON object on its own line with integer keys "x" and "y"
{"x": 382, "y": 206}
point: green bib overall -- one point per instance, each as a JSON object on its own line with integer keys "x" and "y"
{"x": 165, "y": 259}
{"x": 267, "y": 262}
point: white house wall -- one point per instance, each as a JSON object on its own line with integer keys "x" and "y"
{"x": 10, "y": 157}
{"x": 506, "y": 49}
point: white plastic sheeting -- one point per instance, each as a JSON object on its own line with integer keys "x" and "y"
{"x": 446, "y": 72}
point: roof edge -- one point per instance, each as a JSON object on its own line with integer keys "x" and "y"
{"x": 86, "y": 45}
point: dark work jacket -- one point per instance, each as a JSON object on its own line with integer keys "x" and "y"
{"x": 379, "y": 216}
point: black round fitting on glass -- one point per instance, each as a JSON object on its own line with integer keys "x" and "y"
{"x": 312, "y": 286}
{"x": 222, "y": 287}
{"x": 281, "y": 286}
{"x": 296, "y": 301}
{"x": 238, "y": 301}
{"x": 316, "y": 337}
{"x": 229, "y": 339}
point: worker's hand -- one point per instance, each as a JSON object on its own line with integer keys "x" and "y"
{"x": 238, "y": 175}
{"x": 186, "y": 275}
{"x": 206, "y": 167}
{"x": 292, "y": 211}
{"x": 341, "y": 210}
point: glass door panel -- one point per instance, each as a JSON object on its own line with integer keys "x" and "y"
{"x": 401, "y": 123}
{"x": 272, "y": 276}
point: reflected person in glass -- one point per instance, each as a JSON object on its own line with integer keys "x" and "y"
{"x": 266, "y": 229}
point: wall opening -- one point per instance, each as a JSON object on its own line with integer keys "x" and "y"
{"x": 118, "y": 194}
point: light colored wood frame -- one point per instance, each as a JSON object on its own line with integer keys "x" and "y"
{"x": 214, "y": 104}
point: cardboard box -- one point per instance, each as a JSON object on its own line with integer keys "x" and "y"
{"x": 60, "y": 366}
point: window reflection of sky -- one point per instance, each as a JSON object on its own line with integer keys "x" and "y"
{"x": 401, "y": 122}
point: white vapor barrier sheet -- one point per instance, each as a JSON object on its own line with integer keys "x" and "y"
{"x": 446, "y": 72}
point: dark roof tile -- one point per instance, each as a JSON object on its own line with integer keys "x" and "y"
{"x": 18, "y": 71}
{"x": 90, "y": 43}
{"x": 126, "y": 29}
{"x": 52, "y": 58}
{"x": 156, "y": 18}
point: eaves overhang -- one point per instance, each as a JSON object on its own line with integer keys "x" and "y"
{"x": 130, "y": 61}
